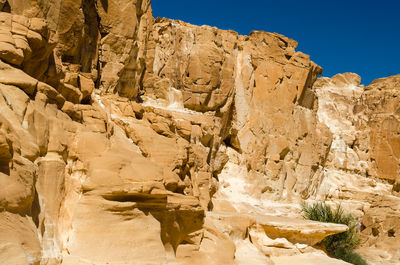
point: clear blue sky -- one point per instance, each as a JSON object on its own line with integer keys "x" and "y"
{"x": 342, "y": 36}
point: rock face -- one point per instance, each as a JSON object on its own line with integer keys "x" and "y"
{"x": 362, "y": 166}
{"x": 129, "y": 140}
{"x": 259, "y": 86}
{"x": 92, "y": 39}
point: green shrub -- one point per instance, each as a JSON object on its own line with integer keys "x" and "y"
{"x": 339, "y": 245}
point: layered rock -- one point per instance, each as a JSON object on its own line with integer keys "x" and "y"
{"x": 129, "y": 140}
{"x": 96, "y": 40}
{"x": 259, "y": 86}
{"x": 361, "y": 168}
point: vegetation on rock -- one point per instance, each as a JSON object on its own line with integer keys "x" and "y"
{"x": 339, "y": 245}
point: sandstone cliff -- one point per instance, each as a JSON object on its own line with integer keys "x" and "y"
{"x": 131, "y": 140}
{"x": 362, "y": 167}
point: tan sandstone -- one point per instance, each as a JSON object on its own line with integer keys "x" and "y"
{"x": 126, "y": 139}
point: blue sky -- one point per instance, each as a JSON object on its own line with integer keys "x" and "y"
{"x": 342, "y": 36}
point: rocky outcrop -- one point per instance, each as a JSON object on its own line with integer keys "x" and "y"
{"x": 255, "y": 84}
{"x": 96, "y": 41}
{"x": 129, "y": 140}
{"x": 361, "y": 168}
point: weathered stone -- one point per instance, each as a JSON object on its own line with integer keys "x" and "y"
{"x": 52, "y": 94}
{"x": 10, "y": 54}
{"x": 15, "y": 98}
{"x": 19, "y": 243}
{"x": 73, "y": 111}
{"x": 125, "y": 139}
{"x": 16, "y": 77}
{"x": 86, "y": 86}
{"x": 363, "y": 155}
{"x": 71, "y": 93}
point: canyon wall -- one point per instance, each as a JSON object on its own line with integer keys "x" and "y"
{"x": 362, "y": 167}
{"x": 126, "y": 139}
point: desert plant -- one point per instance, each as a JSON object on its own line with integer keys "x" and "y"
{"x": 339, "y": 245}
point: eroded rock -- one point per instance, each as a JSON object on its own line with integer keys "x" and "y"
{"x": 129, "y": 140}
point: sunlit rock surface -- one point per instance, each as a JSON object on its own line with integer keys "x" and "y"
{"x": 126, "y": 139}
{"x": 361, "y": 170}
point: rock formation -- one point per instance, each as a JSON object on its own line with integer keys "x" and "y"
{"x": 362, "y": 167}
{"x": 126, "y": 139}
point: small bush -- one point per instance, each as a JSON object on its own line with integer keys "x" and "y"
{"x": 339, "y": 245}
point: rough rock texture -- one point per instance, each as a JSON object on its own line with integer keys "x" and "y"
{"x": 362, "y": 167}
{"x": 259, "y": 86}
{"x": 129, "y": 140}
{"x": 96, "y": 40}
